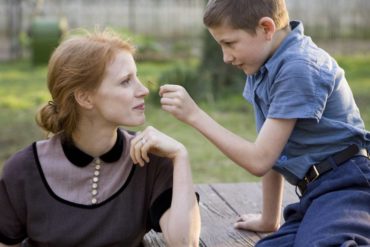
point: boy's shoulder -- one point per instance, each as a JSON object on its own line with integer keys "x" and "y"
{"x": 302, "y": 57}
{"x": 297, "y": 48}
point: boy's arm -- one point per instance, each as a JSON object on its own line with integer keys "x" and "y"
{"x": 269, "y": 220}
{"x": 256, "y": 157}
{"x": 272, "y": 185}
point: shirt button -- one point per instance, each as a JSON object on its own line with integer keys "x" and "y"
{"x": 96, "y": 173}
{"x": 95, "y": 185}
{"x": 94, "y": 201}
{"x": 97, "y": 167}
{"x": 98, "y": 161}
{"x": 94, "y": 192}
{"x": 95, "y": 179}
{"x": 283, "y": 158}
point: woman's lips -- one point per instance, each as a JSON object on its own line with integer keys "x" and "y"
{"x": 140, "y": 107}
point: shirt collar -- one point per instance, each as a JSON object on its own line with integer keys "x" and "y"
{"x": 82, "y": 159}
{"x": 297, "y": 32}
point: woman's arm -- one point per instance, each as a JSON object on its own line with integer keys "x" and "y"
{"x": 180, "y": 224}
{"x": 4, "y": 245}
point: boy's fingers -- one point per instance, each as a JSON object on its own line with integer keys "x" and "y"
{"x": 168, "y": 108}
{"x": 242, "y": 224}
{"x": 168, "y": 88}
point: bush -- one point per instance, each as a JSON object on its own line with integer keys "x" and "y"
{"x": 210, "y": 80}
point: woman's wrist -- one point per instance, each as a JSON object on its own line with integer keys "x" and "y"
{"x": 181, "y": 154}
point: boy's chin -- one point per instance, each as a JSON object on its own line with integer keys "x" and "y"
{"x": 249, "y": 71}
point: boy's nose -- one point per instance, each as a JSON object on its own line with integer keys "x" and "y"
{"x": 227, "y": 58}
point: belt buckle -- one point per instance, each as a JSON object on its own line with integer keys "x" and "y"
{"x": 316, "y": 175}
{"x": 306, "y": 180}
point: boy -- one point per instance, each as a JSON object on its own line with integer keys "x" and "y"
{"x": 310, "y": 131}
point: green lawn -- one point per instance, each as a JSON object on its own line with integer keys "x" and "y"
{"x": 23, "y": 89}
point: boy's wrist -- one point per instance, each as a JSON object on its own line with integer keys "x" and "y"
{"x": 194, "y": 118}
{"x": 269, "y": 223}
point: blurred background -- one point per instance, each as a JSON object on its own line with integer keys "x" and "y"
{"x": 173, "y": 47}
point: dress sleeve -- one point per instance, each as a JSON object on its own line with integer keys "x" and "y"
{"x": 161, "y": 191}
{"x": 300, "y": 90}
{"x": 12, "y": 230}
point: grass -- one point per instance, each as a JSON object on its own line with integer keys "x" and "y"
{"x": 23, "y": 90}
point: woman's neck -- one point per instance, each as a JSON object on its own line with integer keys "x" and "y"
{"x": 95, "y": 142}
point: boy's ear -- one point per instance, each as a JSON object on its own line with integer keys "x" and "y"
{"x": 268, "y": 26}
{"x": 83, "y": 98}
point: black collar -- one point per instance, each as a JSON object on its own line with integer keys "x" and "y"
{"x": 82, "y": 159}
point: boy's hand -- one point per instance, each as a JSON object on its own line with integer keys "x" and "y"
{"x": 254, "y": 222}
{"x": 176, "y": 100}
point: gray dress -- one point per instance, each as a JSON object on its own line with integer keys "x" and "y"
{"x": 47, "y": 198}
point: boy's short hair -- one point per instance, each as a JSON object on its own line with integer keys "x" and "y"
{"x": 245, "y": 14}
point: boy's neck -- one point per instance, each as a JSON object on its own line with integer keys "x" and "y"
{"x": 279, "y": 37}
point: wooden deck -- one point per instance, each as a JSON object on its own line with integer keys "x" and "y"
{"x": 220, "y": 206}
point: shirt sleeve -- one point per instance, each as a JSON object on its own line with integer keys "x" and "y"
{"x": 300, "y": 90}
{"x": 12, "y": 231}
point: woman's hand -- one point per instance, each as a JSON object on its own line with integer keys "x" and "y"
{"x": 153, "y": 141}
{"x": 176, "y": 100}
{"x": 254, "y": 222}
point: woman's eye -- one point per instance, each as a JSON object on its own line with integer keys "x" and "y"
{"x": 125, "y": 82}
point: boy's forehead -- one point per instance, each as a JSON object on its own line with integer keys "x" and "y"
{"x": 223, "y": 31}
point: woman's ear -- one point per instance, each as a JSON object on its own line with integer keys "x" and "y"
{"x": 268, "y": 26}
{"x": 83, "y": 98}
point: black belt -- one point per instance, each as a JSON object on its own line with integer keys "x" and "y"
{"x": 328, "y": 164}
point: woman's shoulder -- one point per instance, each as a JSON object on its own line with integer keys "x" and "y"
{"x": 19, "y": 162}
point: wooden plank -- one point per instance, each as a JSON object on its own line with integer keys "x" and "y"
{"x": 154, "y": 239}
{"x": 217, "y": 218}
{"x": 220, "y": 206}
{"x": 246, "y": 198}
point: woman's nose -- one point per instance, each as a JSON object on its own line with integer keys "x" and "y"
{"x": 142, "y": 90}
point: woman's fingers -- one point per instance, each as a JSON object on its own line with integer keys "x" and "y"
{"x": 144, "y": 149}
{"x": 140, "y": 146}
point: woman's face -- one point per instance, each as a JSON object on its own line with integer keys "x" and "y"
{"x": 119, "y": 100}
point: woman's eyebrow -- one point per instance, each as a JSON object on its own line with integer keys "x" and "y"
{"x": 124, "y": 77}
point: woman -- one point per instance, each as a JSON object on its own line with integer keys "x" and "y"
{"x": 81, "y": 187}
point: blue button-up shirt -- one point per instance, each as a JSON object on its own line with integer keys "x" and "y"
{"x": 301, "y": 81}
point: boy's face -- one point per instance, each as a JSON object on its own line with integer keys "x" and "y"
{"x": 242, "y": 49}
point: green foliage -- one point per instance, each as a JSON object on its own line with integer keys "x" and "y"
{"x": 225, "y": 79}
{"x": 185, "y": 75}
{"x": 212, "y": 79}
